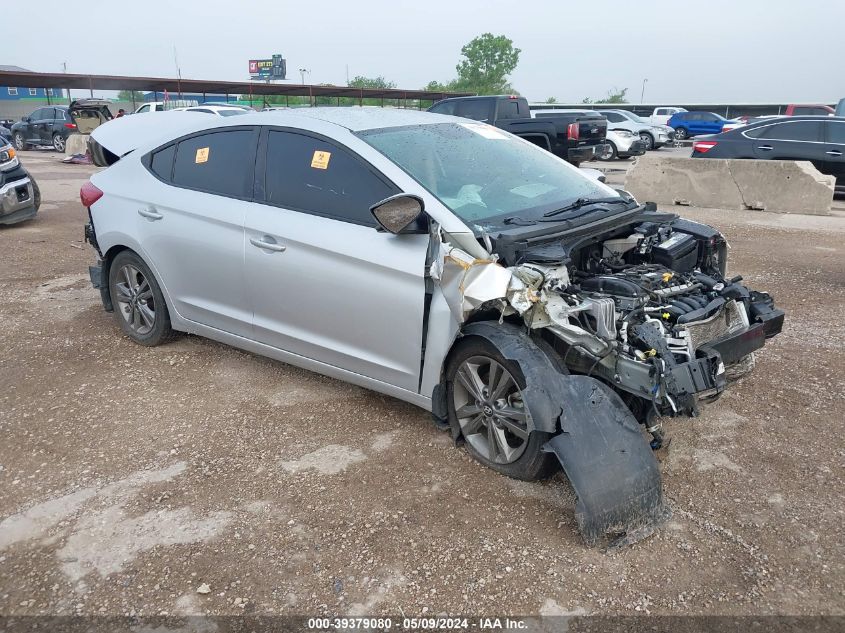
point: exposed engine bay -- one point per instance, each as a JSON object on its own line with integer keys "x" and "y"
{"x": 642, "y": 305}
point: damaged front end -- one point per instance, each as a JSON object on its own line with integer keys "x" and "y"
{"x": 642, "y": 324}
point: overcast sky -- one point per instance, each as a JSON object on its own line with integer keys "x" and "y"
{"x": 690, "y": 51}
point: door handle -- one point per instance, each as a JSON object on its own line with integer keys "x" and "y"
{"x": 767, "y": 148}
{"x": 833, "y": 152}
{"x": 150, "y": 214}
{"x": 267, "y": 244}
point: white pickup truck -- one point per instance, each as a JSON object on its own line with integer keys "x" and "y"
{"x": 161, "y": 106}
{"x": 661, "y": 115}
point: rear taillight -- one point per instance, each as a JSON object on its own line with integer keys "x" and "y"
{"x": 70, "y": 126}
{"x": 573, "y": 131}
{"x": 89, "y": 194}
{"x": 703, "y": 146}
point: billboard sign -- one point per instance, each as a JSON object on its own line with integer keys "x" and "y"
{"x": 266, "y": 69}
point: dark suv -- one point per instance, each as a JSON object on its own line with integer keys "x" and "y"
{"x": 49, "y": 125}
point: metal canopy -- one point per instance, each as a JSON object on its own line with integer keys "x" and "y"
{"x": 200, "y": 86}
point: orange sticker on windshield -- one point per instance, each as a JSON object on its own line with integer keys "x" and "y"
{"x": 320, "y": 160}
{"x": 202, "y": 155}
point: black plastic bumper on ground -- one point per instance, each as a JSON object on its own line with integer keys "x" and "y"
{"x": 611, "y": 467}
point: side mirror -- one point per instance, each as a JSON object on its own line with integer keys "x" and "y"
{"x": 25, "y": 119}
{"x": 402, "y": 213}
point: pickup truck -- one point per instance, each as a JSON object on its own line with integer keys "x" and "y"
{"x": 573, "y": 137}
{"x": 797, "y": 109}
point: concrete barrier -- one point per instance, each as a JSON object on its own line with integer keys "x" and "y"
{"x": 782, "y": 186}
{"x": 77, "y": 144}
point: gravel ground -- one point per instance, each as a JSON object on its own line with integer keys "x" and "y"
{"x": 193, "y": 478}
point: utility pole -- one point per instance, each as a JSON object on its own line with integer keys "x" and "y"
{"x": 642, "y": 94}
{"x": 302, "y": 72}
{"x": 64, "y": 70}
{"x": 178, "y": 71}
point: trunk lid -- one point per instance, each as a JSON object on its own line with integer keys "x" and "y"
{"x": 89, "y": 114}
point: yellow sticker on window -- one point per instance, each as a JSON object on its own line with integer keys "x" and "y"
{"x": 202, "y": 155}
{"x": 320, "y": 160}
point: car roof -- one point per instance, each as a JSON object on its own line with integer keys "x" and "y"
{"x": 354, "y": 118}
{"x": 129, "y": 133}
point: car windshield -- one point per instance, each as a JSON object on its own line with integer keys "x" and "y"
{"x": 230, "y": 112}
{"x": 480, "y": 172}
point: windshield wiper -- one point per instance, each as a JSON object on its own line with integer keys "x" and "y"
{"x": 583, "y": 202}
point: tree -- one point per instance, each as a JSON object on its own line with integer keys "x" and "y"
{"x": 551, "y": 100}
{"x": 130, "y": 95}
{"x": 371, "y": 82}
{"x": 487, "y": 61}
{"x": 613, "y": 96}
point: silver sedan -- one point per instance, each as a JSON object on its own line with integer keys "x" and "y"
{"x": 437, "y": 260}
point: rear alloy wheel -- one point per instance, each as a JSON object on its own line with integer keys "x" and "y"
{"x": 487, "y": 404}
{"x": 648, "y": 140}
{"x": 20, "y": 143}
{"x": 681, "y": 133}
{"x": 138, "y": 302}
{"x": 58, "y": 142}
{"x": 610, "y": 154}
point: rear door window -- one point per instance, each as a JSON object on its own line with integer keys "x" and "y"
{"x": 835, "y": 132}
{"x": 217, "y": 162}
{"x": 476, "y": 109}
{"x": 308, "y": 174}
{"x": 793, "y": 131}
{"x": 509, "y": 110}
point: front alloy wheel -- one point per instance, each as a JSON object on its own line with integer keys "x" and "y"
{"x": 58, "y": 142}
{"x": 490, "y": 410}
{"x": 648, "y": 140}
{"x": 20, "y": 143}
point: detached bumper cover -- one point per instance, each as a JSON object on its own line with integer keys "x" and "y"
{"x": 17, "y": 201}
{"x": 611, "y": 467}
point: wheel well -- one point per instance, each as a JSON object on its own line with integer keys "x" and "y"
{"x": 108, "y": 258}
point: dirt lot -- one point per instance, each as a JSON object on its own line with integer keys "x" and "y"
{"x": 131, "y": 477}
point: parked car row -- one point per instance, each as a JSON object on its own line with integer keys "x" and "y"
{"x": 818, "y": 139}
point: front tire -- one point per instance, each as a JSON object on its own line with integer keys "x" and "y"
{"x": 139, "y": 305}
{"x": 648, "y": 141}
{"x": 58, "y": 142}
{"x": 681, "y": 133}
{"x": 485, "y": 401}
{"x": 610, "y": 155}
{"x": 20, "y": 142}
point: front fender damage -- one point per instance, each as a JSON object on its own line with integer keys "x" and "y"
{"x": 600, "y": 446}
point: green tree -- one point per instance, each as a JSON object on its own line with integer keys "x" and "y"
{"x": 371, "y": 82}
{"x": 487, "y": 61}
{"x": 551, "y": 100}
{"x": 613, "y": 96}
{"x": 128, "y": 95}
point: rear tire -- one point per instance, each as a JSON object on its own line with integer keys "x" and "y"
{"x": 139, "y": 306}
{"x": 681, "y": 133}
{"x": 515, "y": 454}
